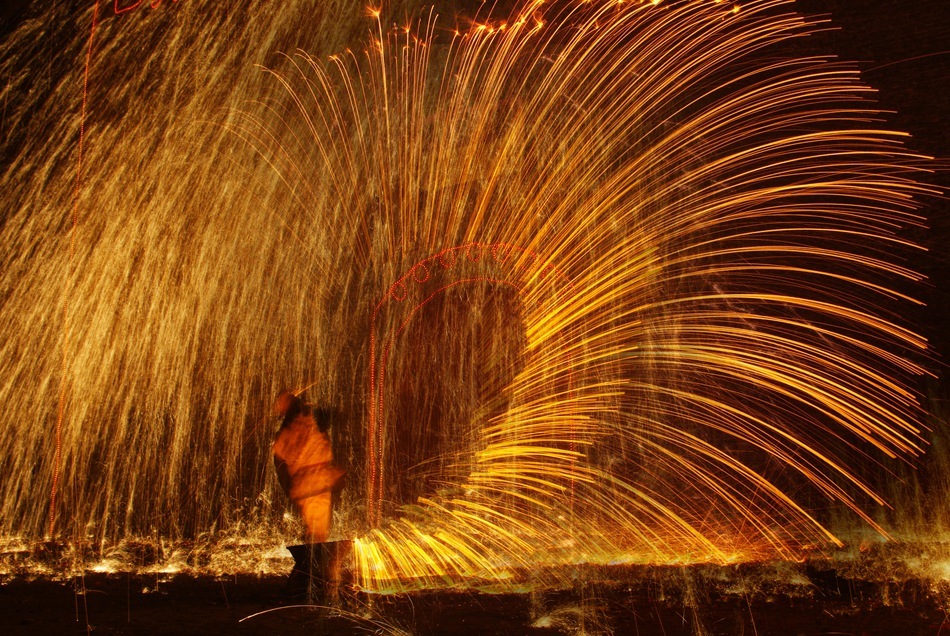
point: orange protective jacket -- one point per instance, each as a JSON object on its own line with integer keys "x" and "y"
{"x": 303, "y": 458}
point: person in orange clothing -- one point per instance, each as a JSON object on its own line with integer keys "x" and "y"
{"x": 303, "y": 457}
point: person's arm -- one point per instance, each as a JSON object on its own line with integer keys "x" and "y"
{"x": 283, "y": 473}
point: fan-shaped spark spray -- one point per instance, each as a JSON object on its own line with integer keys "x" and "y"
{"x": 719, "y": 214}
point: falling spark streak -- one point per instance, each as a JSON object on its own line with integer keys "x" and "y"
{"x": 64, "y": 375}
{"x": 598, "y": 282}
{"x": 64, "y": 378}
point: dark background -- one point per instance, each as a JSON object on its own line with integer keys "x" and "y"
{"x": 903, "y": 51}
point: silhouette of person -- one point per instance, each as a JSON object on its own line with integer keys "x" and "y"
{"x": 303, "y": 457}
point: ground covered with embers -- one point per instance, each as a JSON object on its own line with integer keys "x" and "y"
{"x": 749, "y": 599}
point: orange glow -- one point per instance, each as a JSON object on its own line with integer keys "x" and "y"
{"x": 593, "y": 282}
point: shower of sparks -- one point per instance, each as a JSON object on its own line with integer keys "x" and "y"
{"x": 596, "y": 282}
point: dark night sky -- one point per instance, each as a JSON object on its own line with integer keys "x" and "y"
{"x": 903, "y": 50}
